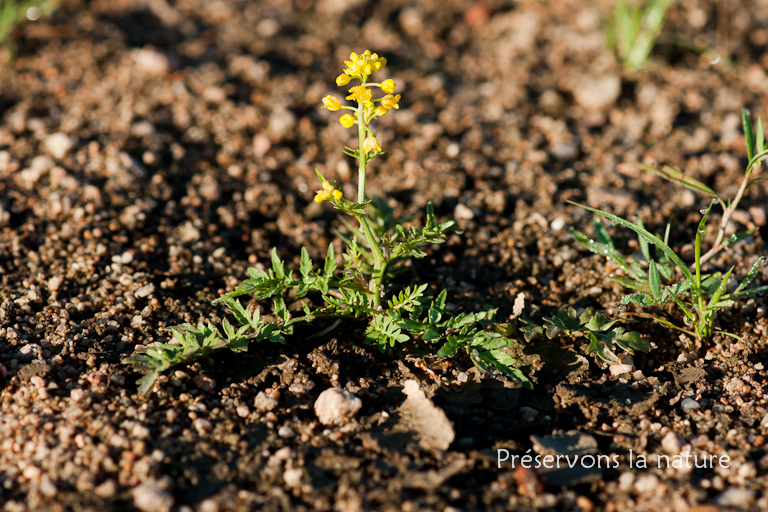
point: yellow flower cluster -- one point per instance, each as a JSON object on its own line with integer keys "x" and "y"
{"x": 328, "y": 193}
{"x": 360, "y": 67}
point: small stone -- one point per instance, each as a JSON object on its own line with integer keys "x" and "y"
{"x": 627, "y": 365}
{"x": 58, "y": 145}
{"x": 336, "y": 406}
{"x": 672, "y": 443}
{"x": 734, "y": 386}
{"x": 204, "y": 382}
{"x": 292, "y": 477}
{"x": 597, "y": 92}
{"x": 106, "y": 489}
{"x": 203, "y": 426}
{"x": 286, "y": 432}
{"x": 463, "y": 212}
{"x": 689, "y": 404}
{"x": 145, "y": 291}
{"x": 764, "y": 421}
{"x": 243, "y": 411}
{"x": 54, "y": 283}
{"x": 264, "y": 403}
{"x": 626, "y": 481}
{"x": 150, "y": 497}
{"x": 646, "y": 484}
{"x": 139, "y": 431}
{"x": 76, "y": 395}
{"x": 47, "y": 487}
{"x": 736, "y": 498}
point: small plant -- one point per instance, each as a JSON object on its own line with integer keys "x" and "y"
{"x": 634, "y": 29}
{"x": 603, "y": 333}
{"x": 376, "y": 250}
{"x": 699, "y": 296}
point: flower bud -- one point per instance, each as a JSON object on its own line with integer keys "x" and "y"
{"x": 388, "y": 86}
{"x": 342, "y": 80}
{"x": 347, "y": 121}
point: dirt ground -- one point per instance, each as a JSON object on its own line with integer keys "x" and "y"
{"x": 152, "y": 150}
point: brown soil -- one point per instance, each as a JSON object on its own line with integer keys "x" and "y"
{"x": 189, "y": 133}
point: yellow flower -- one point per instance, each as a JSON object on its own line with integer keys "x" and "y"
{"x": 360, "y": 93}
{"x": 388, "y": 86}
{"x": 347, "y": 120}
{"x": 342, "y": 80}
{"x": 328, "y": 193}
{"x": 363, "y": 65}
{"x": 390, "y": 101}
{"x": 379, "y": 111}
{"x": 371, "y": 145}
{"x": 331, "y": 103}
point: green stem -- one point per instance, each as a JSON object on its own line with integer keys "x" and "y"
{"x": 379, "y": 262}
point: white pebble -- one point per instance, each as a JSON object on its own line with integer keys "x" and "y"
{"x": 336, "y": 406}
{"x": 203, "y": 426}
{"x": 264, "y": 403}
{"x": 672, "y": 443}
{"x": 150, "y": 497}
{"x": 292, "y": 477}
{"x": 646, "y": 484}
{"x": 689, "y": 404}
{"x": 58, "y": 144}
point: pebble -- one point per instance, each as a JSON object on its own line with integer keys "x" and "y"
{"x": 463, "y": 212}
{"x": 150, "y": 497}
{"x": 264, "y": 403}
{"x": 627, "y": 366}
{"x": 336, "y": 406}
{"x": 597, "y": 92}
{"x": 58, "y": 144}
{"x": 764, "y": 421}
{"x": 292, "y": 477}
{"x": 672, "y": 443}
{"x": 286, "y": 432}
{"x": 688, "y": 404}
{"x": 734, "y": 386}
{"x": 203, "y": 426}
{"x": 243, "y": 411}
{"x": 646, "y": 484}
{"x": 145, "y": 291}
{"x": 735, "y": 497}
{"x": 54, "y": 283}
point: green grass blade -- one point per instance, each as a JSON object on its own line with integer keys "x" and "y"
{"x": 749, "y": 277}
{"x": 760, "y": 138}
{"x": 654, "y": 280}
{"x": 650, "y": 237}
{"x": 749, "y": 137}
{"x": 675, "y": 176}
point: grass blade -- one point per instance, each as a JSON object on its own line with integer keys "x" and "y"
{"x": 650, "y": 237}
{"x": 749, "y": 138}
{"x": 675, "y": 176}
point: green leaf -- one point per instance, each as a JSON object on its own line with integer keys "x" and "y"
{"x": 601, "y": 233}
{"x": 330, "y": 263}
{"x": 738, "y": 237}
{"x": 437, "y": 308}
{"x": 760, "y": 139}
{"x": 450, "y": 349}
{"x": 147, "y": 382}
{"x": 277, "y": 264}
{"x": 749, "y": 277}
{"x": 721, "y": 287}
{"x": 641, "y": 299}
{"x": 305, "y": 267}
{"x": 654, "y": 280}
{"x": 643, "y": 242}
{"x": 675, "y": 176}
{"x": 749, "y": 138}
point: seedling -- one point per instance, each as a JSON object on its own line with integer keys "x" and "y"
{"x": 634, "y": 29}
{"x": 699, "y": 296}
{"x": 327, "y": 295}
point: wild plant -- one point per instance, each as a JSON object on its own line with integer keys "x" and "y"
{"x": 699, "y": 296}
{"x": 326, "y": 295}
{"x": 14, "y": 12}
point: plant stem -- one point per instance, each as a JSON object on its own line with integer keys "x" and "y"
{"x": 379, "y": 262}
{"x": 727, "y": 213}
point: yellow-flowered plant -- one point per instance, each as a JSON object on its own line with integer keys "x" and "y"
{"x": 379, "y": 250}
